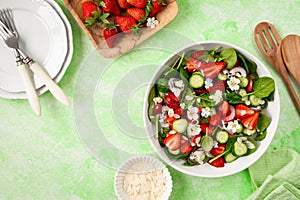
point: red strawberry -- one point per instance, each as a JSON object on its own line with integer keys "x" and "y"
{"x": 157, "y": 109}
{"x": 173, "y": 141}
{"x": 171, "y": 100}
{"x": 109, "y": 34}
{"x": 156, "y": 7}
{"x": 138, "y": 3}
{"x": 193, "y": 65}
{"x": 197, "y": 54}
{"x": 220, "y": 149}
{"x": 126, "y": 23}
{"x": 196, "y": 140}
{"x": 224, "y": 108}
{"x": 124, "y": 4}
{"x": 215, "y": 120}
{"x": 251, "y": 121}
{"x": 249, "y": 87}
{"x": 136, "y": 13}
{"x": 220, "y": 162}
{"x": 211, "y": 70}
{"x": 218, "y": 85}
{"x": 206, "y": 128}
{"x": 88, "y": 7}
{"x": 185, "y": 146}
{"x": 111, "y": 6}
{"x": 243, "y": 111}
{"x": 170, "y": 120}
{"x": 230, "y": 115}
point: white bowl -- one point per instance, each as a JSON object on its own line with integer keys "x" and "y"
{"x": 143, "y": 166}
{"x": 273, "y": 111}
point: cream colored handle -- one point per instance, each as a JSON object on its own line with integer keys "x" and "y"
{"x": 30, "y": 89}
{"x": 57, "y": 92}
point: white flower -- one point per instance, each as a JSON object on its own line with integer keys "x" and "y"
{"x": 152, "y": 22}
{"x": 182, "y": 105}
{"x": 233, "y": 83}
{"x": 192, "y": 113}
{"x": 193, "y": 129}
{"x": 233, "y": 126}
{"x": 247, "y": 102}
{"x": 157, "y": 100}
{"x": 205, "y": 112}
{"x": 217, "y": 97}
{"x": 171, "y": 112}
{"x": 197, "y": 156}
{"x": 208, "y": 83}
{"x": 176, "y": 86}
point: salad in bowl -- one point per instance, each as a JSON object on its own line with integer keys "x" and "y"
{"x": 212, "y": 109}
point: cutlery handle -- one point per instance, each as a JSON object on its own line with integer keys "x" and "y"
{"x": 57, "y": 92}
{"x": 30, "y": 89}
{"x": 285, "y": 76}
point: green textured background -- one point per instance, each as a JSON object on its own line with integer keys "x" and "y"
{"x": 45, "y": 158}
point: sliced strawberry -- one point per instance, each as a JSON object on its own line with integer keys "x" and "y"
{"x": 211, "y": 70}
{"x": 224, "y": 108}
{"x": 156, "y": 7}
{"x": 157, "y": 109}
{"x": 88, "y": 7}
{"x": 193, "y": 65}
{"x": 230, "y": 115}
{"x": 249, "y": 87}
{"x": 126, "y": 23}
{"x": 195, "y": 140}
{"x": 138, "y": 3}
{"x": 109, "y": 33}
{"x": 243, "y": 111}
{"x": 124, "y": 4}
{"x": 215, "y": 120}
{"x": 136, "y": 13}
{"x": 173, "y": 141}
{"x": 171, "y": 100}
{"x": 218, "y": 85}
{"x": 170, "y": 120}
{"x": 251, "y": 121}
{"x": 185, "y": 146}
{"x": 206, "y": 128}
{"x": 220, "y": 149}
{"x": 220, "y": 162}
{"x": 178, "y": 111}
{"x": 197, "y": 54}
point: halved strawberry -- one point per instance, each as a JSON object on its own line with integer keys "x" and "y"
{"x": 170, "y": 120}
{"x": 136, "y": 13}
{"x": 220, "y": 162}
{"x": 173, "y": 141}
{"x": 230, "y": 115}
{"x": 126, "y": 23}
{"x": 206, "y": 128}
{"x": 88, "y": 7}
{"x": 218, "y": 85}
{"x": 185, "y": 146}
{"x": 243, "y": 111}
{"x": 224, "y": 108}
{"x": 193, "y": 65}
{"x": 251, "y": 121}
{"x": 197, "y": 54}
{"x": 220, "y": 149}
{"x": 156, "y": 7}
{"x": 211, "y": 70}
{"x": 215, "y": 120}
{"x": 124, "y": 4}
{"x": 196, "y": 140}
{"x": 138, "y": 3}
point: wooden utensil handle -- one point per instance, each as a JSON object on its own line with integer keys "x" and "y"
{"x": 285, "y": 76}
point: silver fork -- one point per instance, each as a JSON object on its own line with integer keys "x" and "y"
{"x": 34, "y": 66}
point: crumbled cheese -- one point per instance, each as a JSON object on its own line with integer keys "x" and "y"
{"x": 142, "y": 183}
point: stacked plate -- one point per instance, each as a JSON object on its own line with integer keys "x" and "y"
{"x": 45, "y": 35}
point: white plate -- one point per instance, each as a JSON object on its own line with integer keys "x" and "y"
{"x": 273, "y": 111}
{"x": 44, "y": 36}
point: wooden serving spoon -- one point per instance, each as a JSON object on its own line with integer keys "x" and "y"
{"x": 290, "y": 48}
{"x": 268, "y": 42}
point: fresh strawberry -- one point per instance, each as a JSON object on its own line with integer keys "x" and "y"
{"x": 138, "y": 3}
{"x": 197, "y": 54}
{"x": 211, "y": 70}
{"x": 109, "y": 34}
{"x": 193, "y": 65}
{"x": 218, "y": 85}
{"x": 249, "y": 87}
{"x": 157, "y": 109}
{"x": 196, "y": 140}
{"x": 156, "y": 7}
{"x": 178, "y": 111}
{"x": 230, "y": 115}
{"x": 206, "y": 128}
{"x": 124, "y": 4}
{"x": 215, "y": 120}
{"x": 136, "y": 13}
{"x": 126, "y": 23}
{"x": 170, "y": 120}
{"x": 251, "y": 121}
{"x": 88, "y": 7}
{"x": 111, "y": 6}
{"x": 224, "y": 108}
{"x": 220, "y": 162}
{"x": 173, "y": 141}
{"x": 185, "y": 146}
{"x": 220, "y": 149}
{"x": 171, "y": 100}
{"x": 243, "y": 111}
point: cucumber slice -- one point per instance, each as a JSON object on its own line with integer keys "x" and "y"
{"x": 222, "y": 137}
{"x": 222, "y": 76}
{"x": 243, "y": 82}
{"x": 255, "y": 101}
{"x": 239, "y": 149}
{"x": 243, "y": 92}
{"x": 240, "y": 130}
{"x": 249, "y": 132}
{"x": 229, "y": 157}
{"x": 174, "y": 152}
{"x": 196, "y": 80}
{"x": 180, "y": 125}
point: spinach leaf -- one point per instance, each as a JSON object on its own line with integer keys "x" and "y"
{"x": 261, "y": 136}
{"x": 263, "y": 87}
{"x": 162, "y": 85}
{"x": 207, "y": 57}
{"x": 233, "y": 98}
{"x": 205, "y": 101}
{"x": 229, "y": 56}
{"x": 263, "y": 122}
{"x": 244, "y": 63}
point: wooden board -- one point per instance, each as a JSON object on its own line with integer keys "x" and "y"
{"x": 125, "y": 42}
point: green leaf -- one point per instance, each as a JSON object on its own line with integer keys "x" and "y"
{"x": 207, "y": 143}
{"x": 233, "y": 98}
{"x": 162, "y": 85}
{"x": 229, "y": 56}
{"x": 205, "y": 101}
{"x": 263, "y": 122}
{"x": 263, "y": 87}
